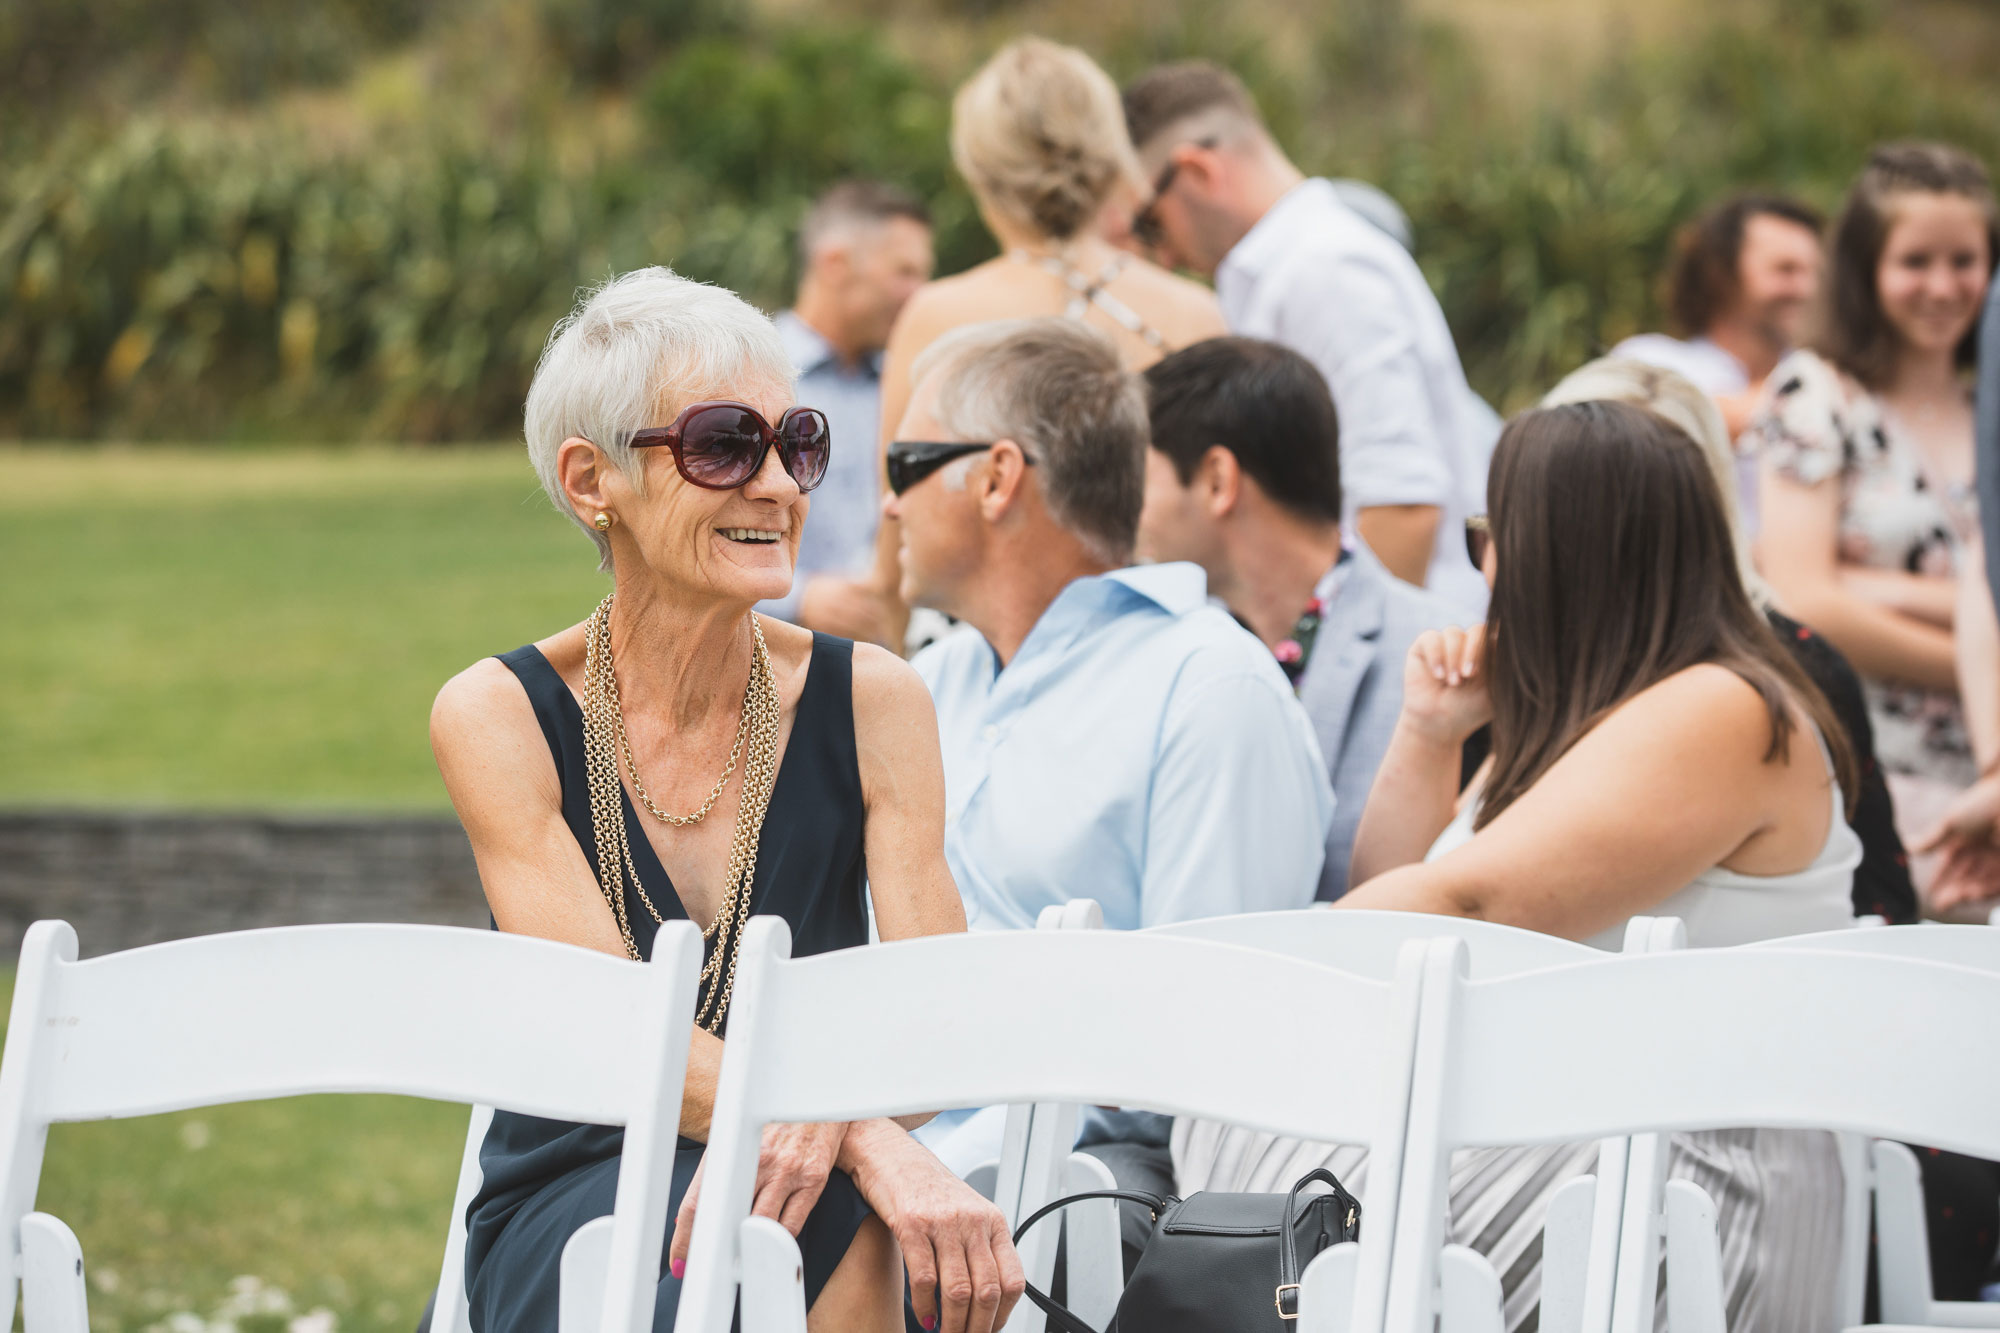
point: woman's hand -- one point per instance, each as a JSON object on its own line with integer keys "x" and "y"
{"x": 1969, "y": 835}
{"x": 792, "y": 1168}
{"x": 1444, "y": 685}
{"x": 964, "y": 1274}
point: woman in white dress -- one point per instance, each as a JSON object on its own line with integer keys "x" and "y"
{"x": 1655, "y": 751}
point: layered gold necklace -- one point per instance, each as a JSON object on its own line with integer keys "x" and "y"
{"x": 605, "y": 744}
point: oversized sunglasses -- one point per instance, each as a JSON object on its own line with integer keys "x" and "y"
{"x": 1146, "y": 227}
{"x": 721, "y": 445}
{"x": 910, "y": 461}
{"x": 1478, "y": 537}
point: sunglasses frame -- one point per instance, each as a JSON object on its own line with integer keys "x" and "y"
{"x": 909, "y": 461}
{"x": 1478, "y": 539}
{"x": 652, "y": 437}
{"x": 1146, "y": 222}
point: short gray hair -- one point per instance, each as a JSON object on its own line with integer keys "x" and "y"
{"x": 854, "y": 205}
{"x": 633, "y": 347}
{"x": 1055, "y": 387}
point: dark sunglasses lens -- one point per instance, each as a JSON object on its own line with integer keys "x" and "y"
{"x": 1476, "y": 541}
{"x": 722, "y": 446}
{"x": 807, "y": 444}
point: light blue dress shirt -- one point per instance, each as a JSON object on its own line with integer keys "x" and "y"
{"x": 1141, "y": 749}
{"x": 839, "y": 536}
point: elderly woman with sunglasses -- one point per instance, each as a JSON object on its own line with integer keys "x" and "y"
{"x": 676, "y": 756}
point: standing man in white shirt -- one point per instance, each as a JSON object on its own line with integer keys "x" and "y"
{"x": 866, "y": 247}
{"x": 1295, "y": 265}
{"x": 1742, "y": 285}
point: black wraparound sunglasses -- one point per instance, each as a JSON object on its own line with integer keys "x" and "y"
{"x": 910, "y": 461}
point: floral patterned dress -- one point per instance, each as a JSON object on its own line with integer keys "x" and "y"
{"x": 1894, "y": 514}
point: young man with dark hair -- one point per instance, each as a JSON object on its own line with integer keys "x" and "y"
{"x": 1295, "y": 263}
{"x": 864, "y": 247}
{"x": 1243, "y": 479}
{"x": 1743, "y": 281}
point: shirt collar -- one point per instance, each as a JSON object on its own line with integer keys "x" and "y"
{"x": 810, "y": 351}
{"x": 1270, "y": 238}
{"x": 1176, "y": 587}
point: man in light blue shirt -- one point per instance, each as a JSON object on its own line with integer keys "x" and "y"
{"x": 865, "y": 247}
{"x": 1107, "y": 733}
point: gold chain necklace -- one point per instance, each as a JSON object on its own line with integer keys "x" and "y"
{"x": 604, "y": 742}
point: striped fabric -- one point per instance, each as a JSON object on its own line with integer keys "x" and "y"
{"x": 1777, "y": 1195}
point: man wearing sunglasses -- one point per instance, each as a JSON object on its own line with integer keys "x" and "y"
{"x": 1107, "y": 733}
{"x": 1295, "y": 264}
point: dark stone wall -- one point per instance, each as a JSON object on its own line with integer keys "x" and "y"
{"x": 124, "y": 880}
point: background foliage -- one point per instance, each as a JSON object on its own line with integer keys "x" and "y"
{"x": 360, "y": 217}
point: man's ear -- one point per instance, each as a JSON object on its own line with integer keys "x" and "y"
{"x": 999, "y": 483}
{"x": 584, "y": 471}
{"x": 1220, "y": 478}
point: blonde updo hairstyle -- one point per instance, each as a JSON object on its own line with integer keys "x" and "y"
{"x": 1039, "y": 135}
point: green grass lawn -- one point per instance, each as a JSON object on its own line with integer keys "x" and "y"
{"x": 258, "y": 1214}
{"x": 216, "y": 628}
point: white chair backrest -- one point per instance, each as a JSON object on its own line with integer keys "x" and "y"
{"x": 1701, "y": 1039}
{"x": 1367, "y": 943}
{"x": 1106, "y": 1017}
{"x": 424, "y": 1011}
{"x": 1965, "y": 946}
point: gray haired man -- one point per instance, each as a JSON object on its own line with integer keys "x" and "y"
{"x": 1107, "y": 733}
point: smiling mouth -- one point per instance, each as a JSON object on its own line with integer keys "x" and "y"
{"x": 750, "y": 536}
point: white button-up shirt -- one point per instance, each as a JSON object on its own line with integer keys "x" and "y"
{"x": 1320, "y": 279}
{"x": 1141, "y": 749}
{"x": 839, "y": 536}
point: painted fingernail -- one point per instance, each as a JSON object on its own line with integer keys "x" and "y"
{"x": 929, "y": 1322}
{"x": 679, "y": 1268}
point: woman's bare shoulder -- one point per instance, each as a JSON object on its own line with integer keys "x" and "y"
{"x": 887, "y": 690}
{"x": 1183, "y": 310}
{"x": 1707, "y": 706}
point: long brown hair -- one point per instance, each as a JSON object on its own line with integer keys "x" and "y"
{"x": 1615, "y": 570}
{"x": 1855, "y": 334}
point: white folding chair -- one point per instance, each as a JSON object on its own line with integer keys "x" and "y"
{"x": 449, "y": 1312}
{"x": 1889, "y": 1170}
{"x": 1154, "y": 1023}
{"x": 422, "y": 1011}
{"x": 1581, "y": 1239}
{"x": 1684, "y": 1041}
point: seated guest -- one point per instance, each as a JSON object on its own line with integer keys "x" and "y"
{"x": 1107, "y": 733}
{"x": 865, "y": 246}
{"x": 1243, "y": 479}
{"x": 585, "y": 765}
{"x": 1882, "y": 884}
{"x": 1740, "y": 289}
{"x": 1654, "y": 751}
{"x": 1294, "y": 263}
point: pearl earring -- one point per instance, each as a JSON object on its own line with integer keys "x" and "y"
{"x": 602, "y": 522}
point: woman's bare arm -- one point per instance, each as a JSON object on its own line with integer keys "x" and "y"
{"x": 1415, "y": 792}
{"x": 1671, "y": 784}
{"x": 1930, "y": 598}
{"x": 1798, "y": 552}
{"x": 502, "y": 783}
{"x": 1978, "y": 642}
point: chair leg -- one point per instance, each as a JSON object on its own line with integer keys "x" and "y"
{"x": 1694, "y": 1261}
{"x": 774, "y": 1280}
{"x": 52, "y": 1294}
{"x": 586, "y": 1266}
{"x": 1095, "y": 1250}
{"x": 1469, "y": 1299}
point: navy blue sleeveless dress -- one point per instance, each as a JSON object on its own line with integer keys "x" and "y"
{"x": 546, "y": 1178}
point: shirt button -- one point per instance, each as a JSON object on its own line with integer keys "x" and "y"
{"x": 989, "y": 733}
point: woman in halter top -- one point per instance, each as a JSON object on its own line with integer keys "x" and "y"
{"x": 1655, "y": 751}
{"x": 1039, "y": 135}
